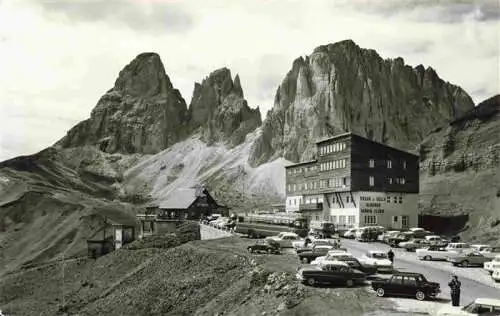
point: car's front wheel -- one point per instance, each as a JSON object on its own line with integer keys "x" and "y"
{"x": 349, "y": 283}
{"x": 250, "y": 249}
{"x": 305, "y": 260}
{"x": 380, "y": 292}
{"x": 420, "y": 295}
{"x": 428, "y": 258}
{"x": 464, "y": 264}
{"x": 311, "y": 281}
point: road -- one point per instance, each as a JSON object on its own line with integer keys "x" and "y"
{"x": 475, "y": 281}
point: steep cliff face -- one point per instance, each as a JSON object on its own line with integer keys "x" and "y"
{"x": 219, "y": 111}
{"x": 142, "y": 113}
{"x": 460, "y": 170}
{"x": 342, "y": 87}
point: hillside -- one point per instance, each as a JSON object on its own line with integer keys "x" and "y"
{"x": 197, "y": 278}
{"x": 460, "y": 170}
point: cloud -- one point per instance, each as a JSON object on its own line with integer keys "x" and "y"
{"x": 137, "y": 15}
{"x": 58, "y": 57}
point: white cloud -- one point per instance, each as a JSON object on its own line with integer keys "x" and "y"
{"x": 57, "y": 59}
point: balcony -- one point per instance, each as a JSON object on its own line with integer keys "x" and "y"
{"x": 310, "y": 207}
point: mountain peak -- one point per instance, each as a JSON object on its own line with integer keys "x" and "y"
{"x": 219, "y": 110}
{"x": 342, "y": 86}
{"x": 143, "y": 77}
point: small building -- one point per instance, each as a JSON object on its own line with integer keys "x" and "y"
{"x": 182, "y": 204}
{"x": 355, "y": 182}
{"x": 115, "y": 232}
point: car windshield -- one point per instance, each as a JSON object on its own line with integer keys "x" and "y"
{"x": 379, "y": 255}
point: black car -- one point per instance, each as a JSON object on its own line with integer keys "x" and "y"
{"x": 407, "y": 284}
{"x": 394, "y": 241}
{"x": 316, "y": 251}
{"x": 267, "y": 246}
{"x": 355, "y": 264}
{"x": 330, "y": 274}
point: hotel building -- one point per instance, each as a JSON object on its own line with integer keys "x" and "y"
{"x": 355, "y": 182}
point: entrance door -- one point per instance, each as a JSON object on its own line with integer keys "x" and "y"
{"x": 396, "y": 223}
{"x": 404, "y": 221}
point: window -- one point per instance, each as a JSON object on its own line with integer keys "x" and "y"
{"x": 389, "y": 164}
{"x": 317, "y": 217}
{"x": 372, "y": 181}
{"x": 347, "y": 198}
{"x": 410, "y": 280}
{"x": 402, "y": 181}
{"x": 344, "y": 181}
{"x": 404, "y": 164}
{"x": 397, "y": 279}
{"x": 388, "y": 199}
{"x": 334, "y": 219}
{"x": 395, "y": 199}
{"x": 351, "y": 219}
{"x": 400, "y": 200}
{"x": 371, "y": 163}
{"x": 389, "y": 180}
{"x": 394, "y": 219}
{"x": 370, "y": 219}
{"x": 289, "y": 188}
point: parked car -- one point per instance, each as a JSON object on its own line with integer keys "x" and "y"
{"x": 369, "y": 233}
{"x": 480, "y": 306}
{"x": 435, "y": 240}
{"x": 414, "y": 244}
{"x": 421, "y": 233}
{"x": 267, "y": 246}
{"x": 384, "y": 236}
{"x": 394, "y": 240}
{"x": 379, "y": 259}
{"x": 432, "y": 253}
{"x": 285, "y": 239}
{"x": 457, "y": 247}
{"x": 479, "y": 247}
{"x": 496, "y": 275}
{"x": 349, "y": 259}
{"x": 491, "y": 251}
{"x": 350, "y": 234}
{"x": 299, "y": 245}
{"x": 493, "y": 264}
{"x": 467, "y": 259}
{"x": 307, "y": 256}
{"x": 407, "y": 284}
{"x": 330, "y": 273}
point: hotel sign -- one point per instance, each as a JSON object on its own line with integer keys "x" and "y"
{"x": 372, "y": 204}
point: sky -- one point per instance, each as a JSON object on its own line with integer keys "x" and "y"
{"x": 58, "y": 57}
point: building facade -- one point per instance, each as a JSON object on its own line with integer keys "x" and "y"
{"x": 355, "y": 182}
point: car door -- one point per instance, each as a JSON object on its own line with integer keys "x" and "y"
{"x": 394, "y": 285}
{"x": 409, "y": 286}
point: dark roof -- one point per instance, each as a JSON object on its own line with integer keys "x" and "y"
{"x": 367, "y": 139}
{"x": 334, "y": 137}
{"x": 180, "y": 199}
{"x": 301, "y": 163}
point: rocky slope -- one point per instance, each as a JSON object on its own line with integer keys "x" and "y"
{"x": 142, "y": 113}
{"x": 342, "y": 87}
{"x": 219, "y": 111}
{"x": 460, "y": 170}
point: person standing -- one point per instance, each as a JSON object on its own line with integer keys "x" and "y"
{"x": 390, "y": 255}
{"x": 455, "y": 290}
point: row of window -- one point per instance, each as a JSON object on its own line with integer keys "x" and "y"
{"x": 371, "y": 180}
{"x": 332, "y": 148}
{"x": 301, "y": 169}
{"x": 331, "y": 165}
{"x": 343, "y": 219}
{"x": 321, "y": 184}
{"x": 388, "y": 163}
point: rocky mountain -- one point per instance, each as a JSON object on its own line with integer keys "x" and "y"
{"x": 142, "y": 113}
{"x": 219, "y": 111}
{"x": 460, "y": 170}
{"x": 341, "y": 87}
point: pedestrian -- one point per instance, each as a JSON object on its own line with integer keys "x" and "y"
{"x": 390, "y": 255}
{"x": 455, "y": 290}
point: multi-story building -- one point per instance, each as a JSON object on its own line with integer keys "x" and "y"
{"x": 355, "y": 182}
